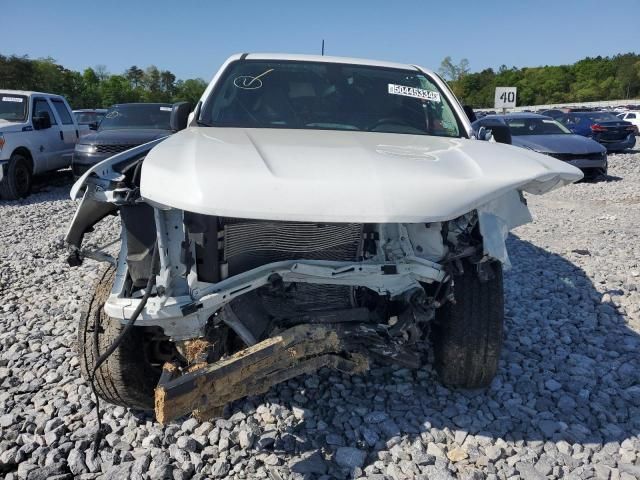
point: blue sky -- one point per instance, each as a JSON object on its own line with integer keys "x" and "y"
{"x": 192, "y": 38}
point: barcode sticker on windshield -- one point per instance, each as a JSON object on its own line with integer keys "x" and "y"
{"x": 165, "y": 109}
{"x": 12, "y": 99}
{"x": 414, "y": 92}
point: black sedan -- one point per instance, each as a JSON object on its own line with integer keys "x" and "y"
{"x": 545, "y": 135}
{"x": 123, "y": 127}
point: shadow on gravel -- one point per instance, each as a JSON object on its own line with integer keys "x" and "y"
{"x": 609, "y": 178}
{"x": 600, "y": 178}
{"x": 570, "y": 371}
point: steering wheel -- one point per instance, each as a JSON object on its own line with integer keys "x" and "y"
{"x": 391, "y": 121}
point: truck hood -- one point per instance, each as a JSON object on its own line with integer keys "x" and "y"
{"x": 339, "y": 176}
{"x": 561, "y": 143}
{"x": 9, "y": 127}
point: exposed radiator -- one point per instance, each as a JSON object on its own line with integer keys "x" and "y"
{"x": 252, "y": 243}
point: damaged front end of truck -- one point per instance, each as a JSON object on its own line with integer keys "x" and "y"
{"x": 315, "y": 212}
{"x": 230, "y": 306}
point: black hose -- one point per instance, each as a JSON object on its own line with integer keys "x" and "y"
{"x": 116, "y": 343}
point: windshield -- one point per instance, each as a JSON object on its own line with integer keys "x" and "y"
{"x": 329, "y": 96}
{"x": 149, "y": 115}
{"x": 535, "y": 126}
{"x": 13, "y": 108}
{"x": 86, "y": 118}
{"x": 603, "y": 117}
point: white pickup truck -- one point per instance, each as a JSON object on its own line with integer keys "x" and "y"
{"x": 38, "y": 134}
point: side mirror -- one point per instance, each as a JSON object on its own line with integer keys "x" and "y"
{"x": 484, "y": 134}
{"x": 470, "y": 113}
{"x": 42, "y": 120}
{"x": 180, "y": 116}
{"x": 501, "y": 133}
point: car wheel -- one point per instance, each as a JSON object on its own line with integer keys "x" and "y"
{"x": 127, "y": 378}
{"x": 603, "y": 174}
{"x": 467, "y": 335}
{"x": 17, "y": 183}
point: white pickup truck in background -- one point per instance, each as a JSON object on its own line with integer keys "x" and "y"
{"x": 38, "y": 134}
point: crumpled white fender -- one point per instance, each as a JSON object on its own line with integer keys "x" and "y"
{"x": 497, "y": 218}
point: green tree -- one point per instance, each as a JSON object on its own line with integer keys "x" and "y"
{"x": 134, "y": 75}
{"x": 16, "y": 73}
{"x": 452, "y": 72}
{"x": 117, "y": 89}
{"x": 167, "y": 82}
{"x": 101, "y": 72}
{"x": 91, "y": 96}
{"x": 151, "y": 83}
{"x": 190, "y": 90}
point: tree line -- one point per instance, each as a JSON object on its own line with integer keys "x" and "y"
{"x": 590, "y": 79}
{"x": 96, "y": 87}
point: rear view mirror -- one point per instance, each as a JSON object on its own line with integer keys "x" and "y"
{"x": 42, "y": 120}
{"x": 180, "y": 116}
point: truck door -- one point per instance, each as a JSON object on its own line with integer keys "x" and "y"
{"x": 47, "y": 142}
{"x": 68, "y": 130}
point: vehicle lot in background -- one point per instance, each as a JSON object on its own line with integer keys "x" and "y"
{"x": 631, "y": 117}
{"x": 545, "y": 135}
{"x": 124, "y": 126}
{"x": 604, "y": 127}
{"x": 570, "y": 351}
{"x": 37, "y": 134}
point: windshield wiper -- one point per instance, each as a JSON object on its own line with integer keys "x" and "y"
{"x": 204, "y": 124}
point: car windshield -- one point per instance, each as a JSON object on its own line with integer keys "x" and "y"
{"x": 149, "y": 115}
{"x": 329, "y": 96}
{"x": 13, "y": 108}
{"x": 535, "y": 126}
{"x": 602, "y": 117}
{"x": 86, "y": 118}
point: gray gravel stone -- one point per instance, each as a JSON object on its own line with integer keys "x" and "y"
{"x": 76, "y": 463}
{"x": 309, "y": 463}
{"x": 350, "y": 457}
{"x": 187, "y": 444}
{"x": 435, "y": 450}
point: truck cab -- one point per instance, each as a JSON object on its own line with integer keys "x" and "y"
{"x": 38, "y": 134}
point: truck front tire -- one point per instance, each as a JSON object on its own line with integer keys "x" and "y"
{"x": 17, "y": 183}
{"x": 467, "y": 335}
{"x": 127, "y": 378}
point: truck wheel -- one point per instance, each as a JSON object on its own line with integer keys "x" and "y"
{"x": 467, "y": 334}
{"x": 127, "y": 378}
{"x": 17, "y": 183}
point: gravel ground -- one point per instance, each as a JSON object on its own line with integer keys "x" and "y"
{"x": 566, "y": 402}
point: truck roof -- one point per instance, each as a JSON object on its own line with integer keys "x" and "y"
{"x": 325, "y": 59}
{"x": 28, "y": 93}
